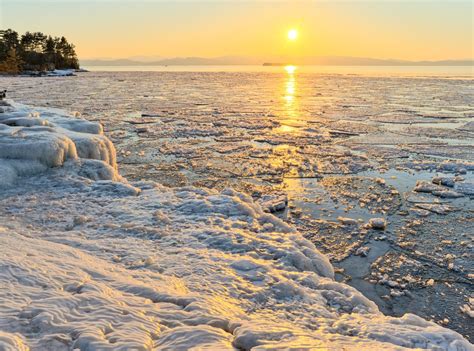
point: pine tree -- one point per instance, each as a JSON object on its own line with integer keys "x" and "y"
{"x": 8, "y": 40}
{"x": 12, "y": 63}
{"x": 49, "y": 52}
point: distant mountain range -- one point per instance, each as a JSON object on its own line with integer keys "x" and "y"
{"x": 270, "y": 61}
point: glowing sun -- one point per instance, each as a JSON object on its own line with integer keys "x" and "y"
{"x": 293, "y": 34}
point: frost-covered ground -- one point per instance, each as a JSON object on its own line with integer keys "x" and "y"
{"x": 331, "y": 151}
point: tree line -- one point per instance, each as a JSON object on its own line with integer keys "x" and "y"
{"x": 35, "y": 52}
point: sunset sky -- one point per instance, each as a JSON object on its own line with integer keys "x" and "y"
{"x": 380, "y": 29}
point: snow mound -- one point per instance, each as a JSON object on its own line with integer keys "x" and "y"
{"x": 33, "y": 140}
{"x": 89, "y": 261}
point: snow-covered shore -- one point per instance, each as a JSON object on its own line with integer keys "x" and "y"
{"x": 91, "y": 261}
{"x": 53, "y": 73}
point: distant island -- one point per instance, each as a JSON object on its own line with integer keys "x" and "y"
{"x": 271, "y": 61}
{"x": 35, "y": 52}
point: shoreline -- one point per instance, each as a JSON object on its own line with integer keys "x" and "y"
{"x": 53, "y": 73}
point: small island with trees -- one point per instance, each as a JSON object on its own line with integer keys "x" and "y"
{"x": 35, "y": 53}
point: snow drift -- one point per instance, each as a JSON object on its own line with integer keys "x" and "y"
{"x": 92, "y": 262}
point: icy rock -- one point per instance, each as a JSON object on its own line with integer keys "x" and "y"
{"x": 25, "y": 122}
{"x": 468, "y": 308}
{"x": 79, "y": 125}
{"x": 143, "y": 130}
{"x": 419, "y": 212}
{"x": 446, "y": 181}
{"x": 347, "y": 221}
{"x": 92, "y": 169}
{"x": 396, "y": 293}
{"x": 121, "y": 189}
{"x": 421, "y": 198}
{"x": 362, "y": 251}
{"x": 430, "y": 282}
{"x": 79, "y": 220}
{"x": 378, "y": 223}
{"x": 447, "y": 194}
{"x": 422, "y": 186}
{"x": 273, "y": 203}
{"x": 460, "y": 166}
{"x": 42, "y": 144}
{"x": 149, "y": 261}
{"x": 436, "y": 208}
{"x": 392, "y": 283}
{"x": 30, "y": 145}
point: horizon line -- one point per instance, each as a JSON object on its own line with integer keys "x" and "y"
{"x": 158, "y": 58}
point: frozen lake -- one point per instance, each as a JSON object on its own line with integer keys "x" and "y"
{"x": 326, "y": 149}
{"x": 396, "y": 71}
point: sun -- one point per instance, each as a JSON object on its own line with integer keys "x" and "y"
{"x": 293, "y": 34}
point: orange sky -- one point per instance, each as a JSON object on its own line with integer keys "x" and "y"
{"x": 380, "y": 29}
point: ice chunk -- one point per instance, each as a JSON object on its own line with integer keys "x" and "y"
{"x": 436, "y": 208}
{"x": 378, "y": 223}
{"x": 273, "y": 203}
{"x": 347, "y": 221}
{"x": 447, "y": 194}
{"x": 423, "y": 186}
{"x": 446, "y": 181}
{"x": 362, "y": 251}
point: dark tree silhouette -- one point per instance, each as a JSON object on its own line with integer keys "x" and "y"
{"x": 35, "y": 52}
{"x": 12, "y": 63}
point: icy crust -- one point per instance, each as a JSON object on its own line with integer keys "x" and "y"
{"x": 174, "y": 270}
{"x": 33, "y": 140}
{"x": 94, "y": 264}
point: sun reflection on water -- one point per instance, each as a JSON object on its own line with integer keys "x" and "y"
{"x": 290, "y": 91}
{"x": 290, "y": 69}
{"x": 290, "y": 114}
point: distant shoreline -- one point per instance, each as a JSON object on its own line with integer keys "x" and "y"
{"x": 282, "y": 65}
{"x": 433, "y": 64}
{"x": 283, "y": 61}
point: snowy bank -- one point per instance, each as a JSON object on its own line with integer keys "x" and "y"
{"x": 92, "y": 262}
{"x": 53, "y": 73}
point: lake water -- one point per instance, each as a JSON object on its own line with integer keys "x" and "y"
{"x": 466, "y": 71}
